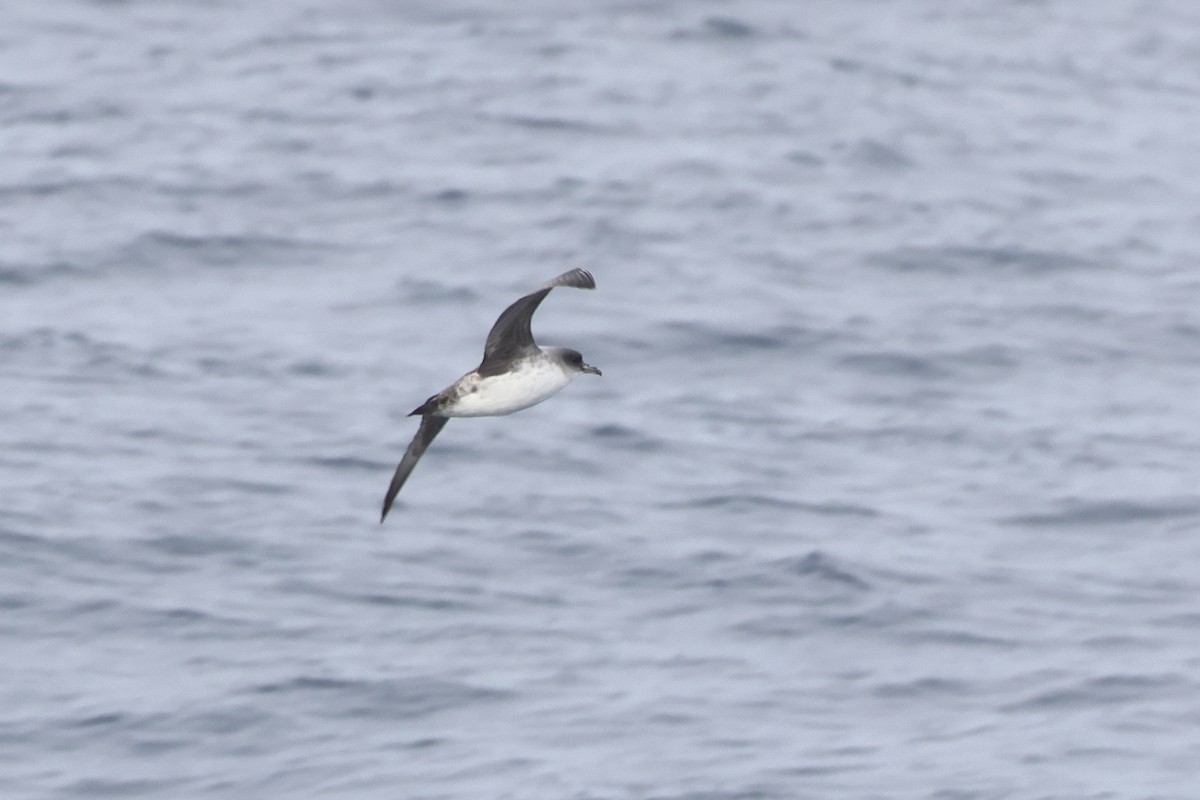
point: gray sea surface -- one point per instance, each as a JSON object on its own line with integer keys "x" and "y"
{"x": 890, "y": 489}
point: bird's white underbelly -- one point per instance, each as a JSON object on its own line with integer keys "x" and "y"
{"x": 508, "y": 392}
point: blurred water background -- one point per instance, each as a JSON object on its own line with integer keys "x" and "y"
{"x": 891, "y": 487}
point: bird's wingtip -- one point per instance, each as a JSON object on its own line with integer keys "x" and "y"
{"x": 586, "y": 280}
{"x": 578, "y": 278}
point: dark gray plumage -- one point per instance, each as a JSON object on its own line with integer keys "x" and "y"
{"x": 512, "y": 337}
{"x": 431, "y": 426}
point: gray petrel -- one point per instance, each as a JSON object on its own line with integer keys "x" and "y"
{"x": 515, "y": 373}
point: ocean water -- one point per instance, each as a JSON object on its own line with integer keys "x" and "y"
{"x": 890, "y": 489}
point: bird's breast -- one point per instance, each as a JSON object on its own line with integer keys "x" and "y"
{"x": 528, "y": 384}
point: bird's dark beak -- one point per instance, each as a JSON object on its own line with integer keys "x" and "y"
{"x": 591, "y": 369}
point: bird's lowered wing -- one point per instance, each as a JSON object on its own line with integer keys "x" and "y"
{"x": 430, "y": 427}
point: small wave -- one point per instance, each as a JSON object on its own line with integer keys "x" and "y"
{"x": 626, "y": 438}
{"x": 14, "y": 602}
{"x": 421, "y": 290}
{"x": 980, "y": 362}
{"x": 450, "y": 197}
{"x": 184, "y": 485}
{"x": 959, "y": 638}
{"x": 716, "y": 28}
{"x": 878, "y": 155}
{"x": 650, "y": 576}
{"x": 51, "y": 188}
{"x": 313, "y": 368}
{"x": 74, "y": 113}
{"x": 14, "y": 89}
{"x": 113, "y": 787}
{"x": 1106, "y": 690}
{"x": 922, "y": 687}
{"x": 226, "y": 365}
{"x": 35, "y": 552}
{"x": 728, "y": 27}
{"x": 778, "y": 626}
{"x": 751, "y": 502}
{"x": 990, "y": 356}
{"x": 709, "y": 338}
{"x": 719, "y": 794}
{"x": 30, "y": 274}
{"x": 414, "y": 601}
{"x": 803, "y": 158}
{"x": 159, "y": 249}
{"x": 960, "y": 260}
{"x": 896, "y": 364}
{"x": 199, "y": 545}
{"x": 395, "y": 698}
{"x": 433, "y": 598}
{"x": 736, "y": 502}
{"x": 835, "y": 509}
{"x": 819, "y": 565}
{"x": 99, "y": 720}
{"x": 82, "y": 358}
{"x": 878, "y": 617}
{"x": 538, "y": 123}
{"x": 1112, "y": 512}
{"x": 223, "y": 721}
{"x": 347, "y": 463}
{"x": 878, "y": 72}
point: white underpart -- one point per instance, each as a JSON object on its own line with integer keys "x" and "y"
{"x": 533, "y": 381}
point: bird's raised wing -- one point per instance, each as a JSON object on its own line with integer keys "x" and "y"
{"x": 431, "y": 426}
{"x": 511, "y": 336}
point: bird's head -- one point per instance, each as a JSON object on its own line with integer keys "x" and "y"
{"x": 573, "y": 360}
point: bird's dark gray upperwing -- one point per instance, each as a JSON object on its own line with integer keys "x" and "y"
{"x": 430, "y": 427}
{"x": 511, "y": 336}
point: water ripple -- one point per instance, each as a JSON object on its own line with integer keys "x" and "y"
{"x": 1107, "y": 512}
{"x": 392, "y": 699}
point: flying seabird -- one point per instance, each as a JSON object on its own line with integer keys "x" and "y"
{"x": 515, "y": 373}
